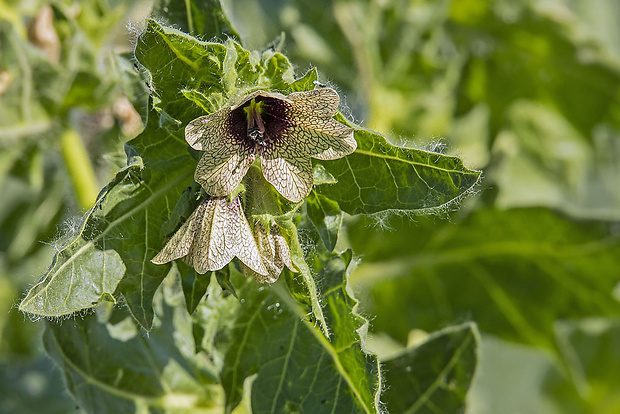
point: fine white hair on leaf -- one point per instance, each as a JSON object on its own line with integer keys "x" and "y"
{"x": 382, "y": 219}
{"x": 134, "y": 29}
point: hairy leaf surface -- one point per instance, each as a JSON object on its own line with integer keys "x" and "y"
{"x": 127, "y": 218}
{"x": 380, "y": 176}
{"x": 296, "y": 367}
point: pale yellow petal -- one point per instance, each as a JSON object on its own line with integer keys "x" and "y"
{"x": 317, "y": 103}
{"x": 258, "y": 277}
{"x": 274, "y": 249}
{"x": 267, "y": 247}
{"x": 239, "y": 238}
{"x": 283, "y": 253}
{"x": 180, "y": 243}
{"x": 220, "y": 170}
{"x": 325, "y": 139}
{"x": 292, "y": 177}
{"x": 210, "y": 131}
{"x": 209, "y": 251}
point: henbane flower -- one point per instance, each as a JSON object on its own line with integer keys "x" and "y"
{"x": 274, "y": 251}
{"x": 212, "y": 236}
{"x": 283, "y": 131}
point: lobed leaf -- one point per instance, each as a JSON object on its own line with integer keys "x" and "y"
{"x": 379, "y": 176}
{"x": 201, "y": 18}
{"x": 260, "y": 344}
{"x": 133, "y": 214}
{"x": 190, "y": 77}
{"x": 110, "y": 367}
{"x": 127, "y": 218}
{"x": 295, "y": 367}
{"x": 326, "y": 217}
{"x": 194, "y": 285}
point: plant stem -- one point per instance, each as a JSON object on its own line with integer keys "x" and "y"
{"x": 79, "y": 167}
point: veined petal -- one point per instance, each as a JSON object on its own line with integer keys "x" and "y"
{"x": 220, "y": 170}
{"x": 325, "y": 139}
{"x": 199, "y": 240}
{"x": 274, "y": 249}
{"x": 283, "y": 253}
{"x": 179, "y": 245}
{"x": 285, "y": 131}
{"x": 240, "y": 239}
{"x": 209, "y": 250}
{"x": 212, "y": 236}
{"x": 210, "y": 131}
{"x": 292, "y": 177}
{"x": 274, "y": 252}
{"x": 317, "y": 103}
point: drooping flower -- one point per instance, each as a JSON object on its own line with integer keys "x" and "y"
{"x": 215, "y": 233}
{"x": 274, "y": 252}
{"x": 283, "y": 131}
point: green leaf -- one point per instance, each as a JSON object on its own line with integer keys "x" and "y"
{"x": 507, "y": 371}
{"x": 191, "y": 77}
{"x": 296, "y": 367}
{"x": 545, "y": 161}
{"x": 194, "y": 285}
{"x": 435, "y": 375}
{"x": 494, "y": 267}
{"x": 59, "y": 294}
{"x": 204, "y": 18}
{"x": 326, "y": 216}
{"x": 129, "y": 214}
{"x": 379, "y": 176}
{"x": 109, "y": 366}
{"x": 589, "y": 347}
{"x": 127, "y": 219}
{"x": 581, "y": 380}
{"x": 223, "y": 279}
{"x": 27, "y": 386}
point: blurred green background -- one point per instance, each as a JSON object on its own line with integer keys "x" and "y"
{"x": 528, "y": 91}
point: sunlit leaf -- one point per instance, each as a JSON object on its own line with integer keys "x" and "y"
{"x": 110, "y": 367}
{"x": 297, "y": 368}
{"x": 200, "y": 18}
{"x": 127, "y": 219}
{"x": 379, "y": 176}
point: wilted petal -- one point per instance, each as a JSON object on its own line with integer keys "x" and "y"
{"x": 292, "y": 177}
{"x": 220, "y": 170}
{"x": 241, "y": 239}
{"x": 214, "y": 233}
{"x": 274, "y": 252}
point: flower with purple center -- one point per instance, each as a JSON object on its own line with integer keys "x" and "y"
{"x": 284, "y": 132}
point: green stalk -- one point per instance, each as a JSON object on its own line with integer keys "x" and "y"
{"x": 79, "y": 167}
